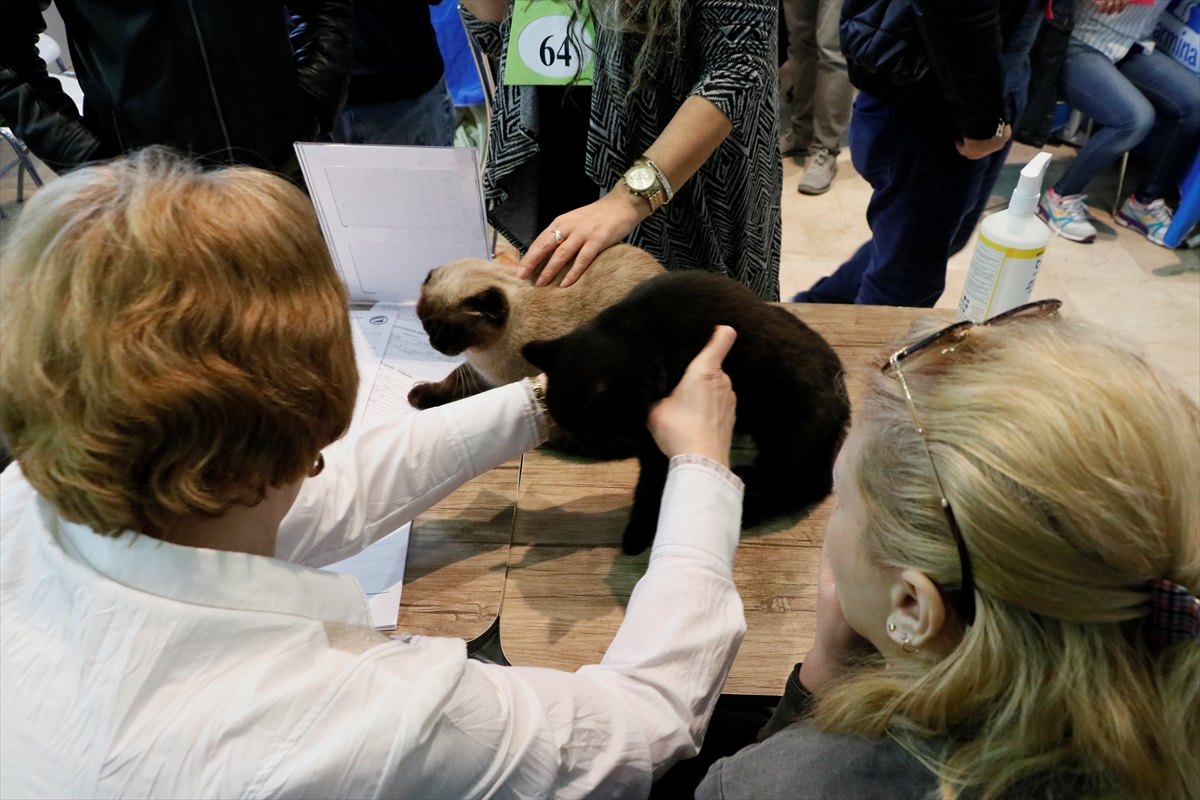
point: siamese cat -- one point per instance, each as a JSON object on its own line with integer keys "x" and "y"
{"x": 484, "y": 311}
{"x": 605, "y": 375}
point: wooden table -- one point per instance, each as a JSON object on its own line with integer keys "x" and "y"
{"x": 544, "y": 538}
{"x": 458, "y": 558}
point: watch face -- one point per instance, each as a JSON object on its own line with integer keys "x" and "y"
{"x": 640, "y": 178}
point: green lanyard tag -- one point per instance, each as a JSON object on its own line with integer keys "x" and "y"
{"x": 540, "y": 53}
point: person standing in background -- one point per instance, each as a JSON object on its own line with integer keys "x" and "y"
{"x": 940, "y": 82}
{"x": 821, "y": 91}
{"x": 1114, "y": 75}
{"x": 398, "y": 92}
{"x": 226, "y": 82}
{"x": 681, "y": 141}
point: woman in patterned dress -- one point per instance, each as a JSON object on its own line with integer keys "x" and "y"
{"x": 690, "y": 84}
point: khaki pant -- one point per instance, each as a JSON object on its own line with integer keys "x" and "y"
{"x": 821, "y": 92}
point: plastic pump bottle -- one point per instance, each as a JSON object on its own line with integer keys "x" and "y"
{"x": 1009, "y": 251}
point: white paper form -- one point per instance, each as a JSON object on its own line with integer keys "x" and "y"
{"x": 370, "y": 329}
{"x": 408, "y": 360}
{"x": 380, "y": 570}
{"x": 390, "y": 214}
{"x": 392, "y": 352}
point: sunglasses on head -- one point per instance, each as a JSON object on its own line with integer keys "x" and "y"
{"x": 944, "y": 341}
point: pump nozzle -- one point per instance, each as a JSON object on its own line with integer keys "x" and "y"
{"x": 1029, "y": 187}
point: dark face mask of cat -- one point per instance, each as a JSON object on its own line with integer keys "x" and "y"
{"x": 475, "y": 322}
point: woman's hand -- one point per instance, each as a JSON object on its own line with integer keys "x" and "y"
{"x": 698, "y": 416}
{"x": 586, "y": 232}
{"x": 976, "y": 149}
{"x": 835, "y": 643}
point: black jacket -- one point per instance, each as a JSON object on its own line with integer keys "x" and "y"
{"x": 938, "y": 62}
{"x": 396, "y": 53}
{"x": 229, "y": 81}
{"x": 1047, "y": 58}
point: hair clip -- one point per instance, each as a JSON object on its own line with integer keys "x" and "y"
{"x": 1174, "y": 613}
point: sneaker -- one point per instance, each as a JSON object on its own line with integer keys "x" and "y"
{"x": 790, "y": 143}
{"x": 1152, "y": 220}
{"x": 818, "y": 175}
{"x": 1067, "y": 216}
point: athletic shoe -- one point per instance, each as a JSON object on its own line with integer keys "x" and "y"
{"x": 1067, "y": 216}
{"x": 818, "y": 175}
{"x": 790, "y": 144}
{"x": 1152, "y": 220}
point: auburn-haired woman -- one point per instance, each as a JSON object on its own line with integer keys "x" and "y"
{"x": 1009, "y": 578}
{"x": 175, "y": 367}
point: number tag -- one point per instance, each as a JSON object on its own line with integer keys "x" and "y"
{"x": 540, "y": 53}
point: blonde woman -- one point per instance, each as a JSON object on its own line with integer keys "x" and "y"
{"x": 1007, "y": 605}
{"x": 673, "y": 148}
{"x": 175, "y": 367}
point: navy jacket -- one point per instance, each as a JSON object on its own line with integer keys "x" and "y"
{"x": 938, "y": 62}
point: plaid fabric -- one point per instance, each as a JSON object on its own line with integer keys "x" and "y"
{"x": 1174, "y": 613}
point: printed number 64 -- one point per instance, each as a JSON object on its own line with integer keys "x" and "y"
{"x": 547, "y": 54}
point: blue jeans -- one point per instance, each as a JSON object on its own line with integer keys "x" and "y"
{"x": 1146, "y": 99}
{"x": 926, "y": 202}
{"x": 428, "y": 119}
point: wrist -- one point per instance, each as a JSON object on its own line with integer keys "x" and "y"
{"x": 709, "y": 450}
{"x": 639, "y": 205}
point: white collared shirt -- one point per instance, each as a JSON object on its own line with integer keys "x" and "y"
{"x": 133, "y": 667}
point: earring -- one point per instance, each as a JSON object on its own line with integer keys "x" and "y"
{"x": 904, "y": 644}
{"x": 318, "y": 467}
{"x": 891, "y": 627}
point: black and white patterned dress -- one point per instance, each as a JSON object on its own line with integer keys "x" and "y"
{"x": 726, "y": 218}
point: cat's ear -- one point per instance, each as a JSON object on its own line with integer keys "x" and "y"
{"x": 542, "y": 354}
{"x": 490, "y": 303}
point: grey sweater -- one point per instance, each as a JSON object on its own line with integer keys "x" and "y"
{"x": 801, "y": 762}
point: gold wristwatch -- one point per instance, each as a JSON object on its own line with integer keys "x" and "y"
{"x": 645, "y": 179}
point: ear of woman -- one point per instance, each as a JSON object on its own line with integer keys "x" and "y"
{"x": 920, "y": 619}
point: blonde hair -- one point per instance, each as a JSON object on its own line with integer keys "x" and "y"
{"x": 172, "y": 341}
{"x": 1073, "y": 470}
{"x": 662, "y": 23}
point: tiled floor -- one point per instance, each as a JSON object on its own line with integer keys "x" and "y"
{"x": 1147, "y": 293}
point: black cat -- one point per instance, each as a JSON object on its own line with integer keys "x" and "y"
{"x": 605, "y": 375}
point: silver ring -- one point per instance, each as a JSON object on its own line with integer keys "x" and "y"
{"x": 558, "y": 236}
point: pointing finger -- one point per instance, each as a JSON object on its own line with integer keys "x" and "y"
{"x": 713, "y": 354}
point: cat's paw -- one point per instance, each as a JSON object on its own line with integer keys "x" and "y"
{"x": 426, "y": 395}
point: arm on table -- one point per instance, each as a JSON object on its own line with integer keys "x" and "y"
{"x": 418, "y": 719}
{"x": 654, "y": 691}
{"x": 381, "y": 476}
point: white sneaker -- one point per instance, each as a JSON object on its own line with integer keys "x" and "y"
{"x": 1152, "y": 219}
{"x": 820, "y": 172}
{"x": 1067, "y": 216}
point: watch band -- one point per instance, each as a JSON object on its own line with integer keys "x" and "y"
{"x": 662, "y": 178}
{"x": 657, "y": 195}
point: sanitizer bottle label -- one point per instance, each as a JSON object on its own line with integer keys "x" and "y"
{"x": 1000, "y": 278}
